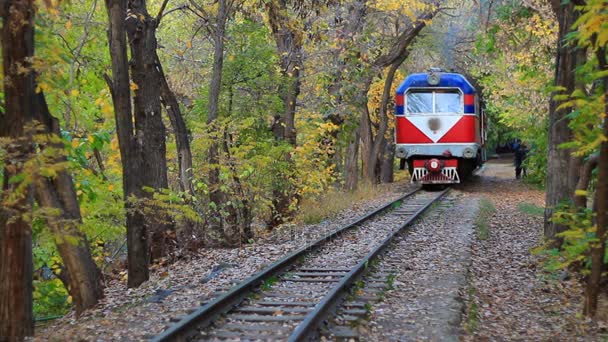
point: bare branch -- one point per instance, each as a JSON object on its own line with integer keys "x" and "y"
{"x": 180, "y": 8}
{"x": 159, "y": 16}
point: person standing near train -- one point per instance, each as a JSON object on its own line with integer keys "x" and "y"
{"x": 520, "y": 156}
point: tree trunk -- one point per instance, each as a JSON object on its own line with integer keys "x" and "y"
{"x": 83, "y": 280}
{"x": 238, "y": 223}
{"x": 372, "y": 145}
{"x": 388, "y": 159}
{"x": 289, "y": 45}
{"x": 365, "y": 130}
{"x": 16, "y": 317}
{"x": 184, "y": 153}
{"x": 230, "y": 218}
{"x": 580, "y": 200}
{"x": 337, "y": 113}
{"x": 137, "y": 245}
{"x": 215, "y": 231}
{"x": 351, "y": 167}
{"x": 561, "y": 187}
{"x": 375, "y": 153}
{"x": 598, "y": 248}
{"x": 149, "y": 126}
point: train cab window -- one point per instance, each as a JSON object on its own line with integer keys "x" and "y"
{"x": 426, "y": 101}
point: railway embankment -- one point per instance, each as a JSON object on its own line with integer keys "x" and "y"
{"x": 465, "y": 271}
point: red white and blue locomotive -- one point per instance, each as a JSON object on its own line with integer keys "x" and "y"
{"x": 440, "y": 127}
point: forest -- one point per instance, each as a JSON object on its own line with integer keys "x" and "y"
{"x": 135, "y": 132}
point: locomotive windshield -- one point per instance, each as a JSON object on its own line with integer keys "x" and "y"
{"x": 431, "y": 101}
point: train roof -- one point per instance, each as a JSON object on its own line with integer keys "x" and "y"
{"x": 446, "y": 79}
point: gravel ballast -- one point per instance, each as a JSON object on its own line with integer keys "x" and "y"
{"x": 177, "y": 289}
{"x": 430, "y": 263}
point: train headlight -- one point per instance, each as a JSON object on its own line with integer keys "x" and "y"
{"x": 468, "y": 152}
{"x": 401, "y": 152}
{"x": 433, "y": 79}
{"x": 434, "y": 165}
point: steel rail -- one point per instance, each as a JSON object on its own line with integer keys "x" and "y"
{"x": 312, "y": 320}
{"x": 206, "y": 314}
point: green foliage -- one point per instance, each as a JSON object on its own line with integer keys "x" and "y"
{"x": 50, "y": 299}
{"x": 514, "y": 67}
{"x": 472, "y": 323}
{"x": 531, "y": 209}
{"x": 577, "y": 240}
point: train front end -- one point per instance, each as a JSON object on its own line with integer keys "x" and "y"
{"x": 440, "y": 127}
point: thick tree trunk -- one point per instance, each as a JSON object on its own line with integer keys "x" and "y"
{"x": 388, "y": 159}
{"x": 83, "y": 280}
{"x": 137, "y": 240}
{"x": 561, "y": 187}
{"x": 16, "y": 317}
{"x": 289, "y": 45}
{"x": 184, "y": 153}
{"x": 149, "y": 126}
{"x": 598, "y": 248}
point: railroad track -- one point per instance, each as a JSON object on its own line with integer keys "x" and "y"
{"x": 289, "y": 299}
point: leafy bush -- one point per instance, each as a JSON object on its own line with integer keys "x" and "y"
{"x": 577, "y": 241}
{"x": 50, "y": 298}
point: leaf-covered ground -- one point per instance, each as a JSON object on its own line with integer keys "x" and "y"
{"x": 176, "y": 289}
{"x": 508, "y": 295}
{"x": 511, "y": 296}
{"x": 467, "y": 272}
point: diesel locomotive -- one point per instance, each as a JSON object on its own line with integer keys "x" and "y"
{"x": 440, "y": 127}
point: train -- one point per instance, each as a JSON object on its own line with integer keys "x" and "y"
{"x": 440, "y": 127}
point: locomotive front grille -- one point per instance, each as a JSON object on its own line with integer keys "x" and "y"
{"x": 448, "y": 175}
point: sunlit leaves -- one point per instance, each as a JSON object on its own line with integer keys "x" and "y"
{"x": 411, "y": 9}
{"x": 592, "y": 25}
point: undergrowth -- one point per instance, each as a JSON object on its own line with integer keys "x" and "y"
{"x": 531, "y": 209}
{"x": 315, "y": 210}
{"x": 472, "y": 321}
{"x": 482, "y": 222}
{"x": 575, "y": 251}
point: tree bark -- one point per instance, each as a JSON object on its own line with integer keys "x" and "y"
{"x": 84, "y": 279}
{"x": 184, "y": 153}
{"x": 16, "y": 316}
{"x": 351, "y": 168}
{"x": 289, "y": 45}
{"x": 149, "y": 126}
{"x": 561, "y": 187}
{"x": 137, "y": 240}
{"x": 580, "y": 200}
{"x": 598, "y": 248}
{"x": 215, "y": 230}
{"x": 388, "y": 158}
{"x": 230, "y": 219}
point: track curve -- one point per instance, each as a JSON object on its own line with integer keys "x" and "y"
{"x": 290, "y": 298}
